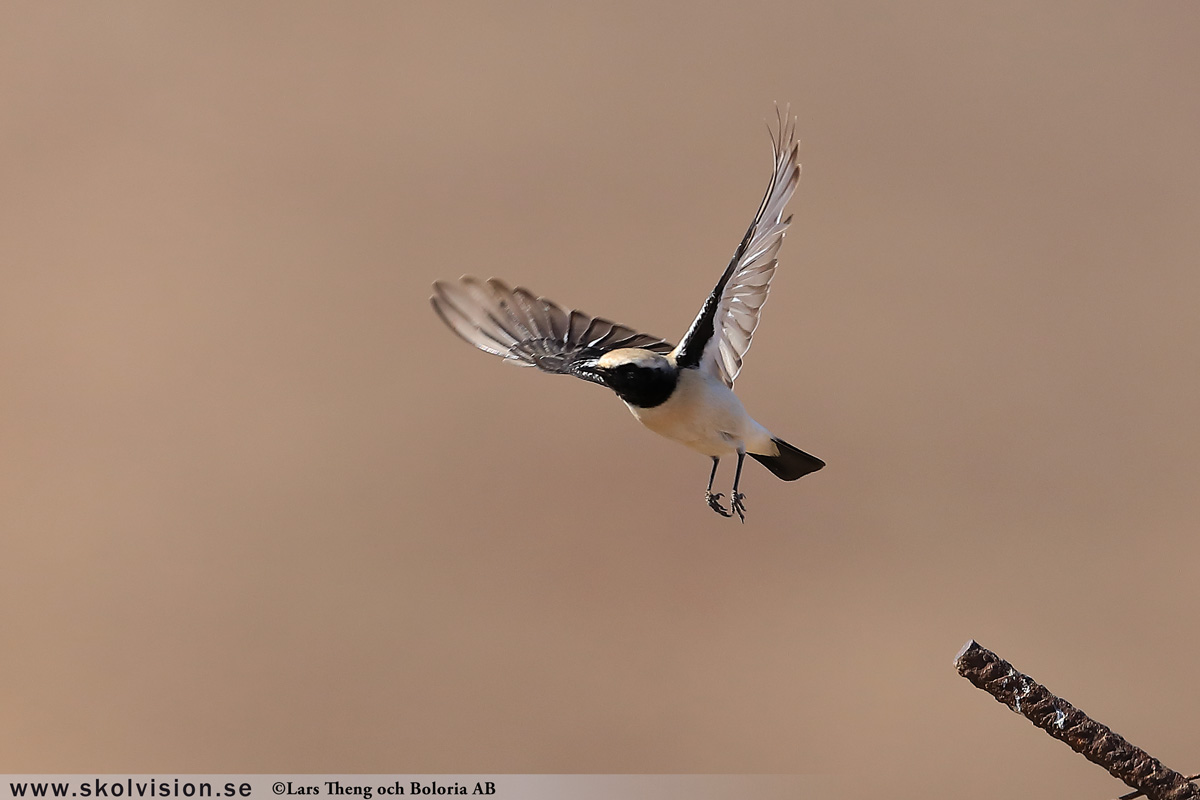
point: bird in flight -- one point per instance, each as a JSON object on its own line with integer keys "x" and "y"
{"x": 683, "y": 392}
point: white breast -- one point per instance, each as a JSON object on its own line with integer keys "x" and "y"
{"x": 704, "y": 414}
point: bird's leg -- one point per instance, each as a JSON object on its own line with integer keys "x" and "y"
{"x": 714, "y": 500}
{"x": 736, "y": 505}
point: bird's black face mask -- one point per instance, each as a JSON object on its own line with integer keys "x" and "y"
{"x": 639, "y": 384}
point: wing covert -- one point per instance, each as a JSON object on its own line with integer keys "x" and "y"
{"x": 528, "y": 330}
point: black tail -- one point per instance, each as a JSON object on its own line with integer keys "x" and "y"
{"x": 791, "y": 463}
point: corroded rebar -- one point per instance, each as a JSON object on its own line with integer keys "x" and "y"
{"x": 1095, "y": 742}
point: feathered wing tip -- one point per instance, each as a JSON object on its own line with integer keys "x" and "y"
{"x": 791, "y": 463}
{"x": 470, "y": 309}
{"x": 785, "y": 151}
{"x": 528, "y": 330}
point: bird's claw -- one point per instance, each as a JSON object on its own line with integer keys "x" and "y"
{"x": 714, "y": 502}
{"x": 738, "y": 506}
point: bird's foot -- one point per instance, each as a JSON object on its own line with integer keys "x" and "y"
{"x": 714, "y": 502}
{"x": 738, "y": 506}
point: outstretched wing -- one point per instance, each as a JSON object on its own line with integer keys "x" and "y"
{"x": 530, "y": 331}
{"x": 721, "y": 333}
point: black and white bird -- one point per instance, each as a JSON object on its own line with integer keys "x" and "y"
{"x": 683, "y": 392}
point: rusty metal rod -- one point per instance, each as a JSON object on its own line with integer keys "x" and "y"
{"x": 1095, "y": 742}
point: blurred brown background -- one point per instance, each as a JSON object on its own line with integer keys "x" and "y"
{"x": 262, "y": 512}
